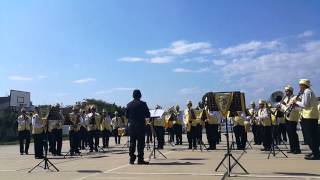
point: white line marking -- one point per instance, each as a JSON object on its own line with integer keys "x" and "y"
{"x": 182, "y": 174}
{"x": 5, "y": 170}
{"x": 215, "y": 174}
{"x": 275, "y": 176}
{"x": 114, "y": 169}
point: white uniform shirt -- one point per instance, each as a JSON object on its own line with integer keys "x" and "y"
{"x": 263, "y": 114}
{"x": 24, "y": 122}
{"x": 116, "y": 122}
{"x": 36, "y": 122}
{"x": 306, "y": 99}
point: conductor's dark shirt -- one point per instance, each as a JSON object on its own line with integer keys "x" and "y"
{"x": 137, "y": 112}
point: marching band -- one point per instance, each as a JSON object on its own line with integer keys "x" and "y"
{"x": 269, "y": 123}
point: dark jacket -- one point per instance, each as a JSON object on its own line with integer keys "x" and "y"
{"x": 137, "y": 111}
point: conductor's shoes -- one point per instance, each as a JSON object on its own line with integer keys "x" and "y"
{"x": 312, "y": 157}
{"x": 297, "y": 151}
{"x": 142, "y": 162}
{"x": 132, "y": 160}
{"x": 308, "y": 155}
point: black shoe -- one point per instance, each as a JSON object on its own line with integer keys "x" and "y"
{"x": 132, "y": 159}
{"x": 96, "y": 149}
{"x": 21, "y": 153}
{"x": 290, "y": 152}
{"x": 312, "y": 157}
{"x": 39, "y": 157}
{"x": 142, "y": 162}
{"x": 264, "y": 149}
{"x": 297, "y": 152}
{"x": 308, "y": 155}
{"x": 27, "y": 153}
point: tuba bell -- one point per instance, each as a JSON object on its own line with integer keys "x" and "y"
{"x": 276, "y": 97}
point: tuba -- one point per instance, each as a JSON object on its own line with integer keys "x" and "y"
{"x": 276, "y": 98}
{"x": 172, "y": 114}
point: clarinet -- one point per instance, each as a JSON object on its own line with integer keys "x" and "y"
{"x": 291, "y": 107}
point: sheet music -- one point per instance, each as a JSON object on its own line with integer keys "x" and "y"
{"x": 156, "y": 113}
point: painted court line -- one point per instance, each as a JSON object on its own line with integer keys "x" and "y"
{"x": 114, "y": 169}
{"x": 176, "y": 174}
{"x": 275, "y": 176}
{"x": 7, "y": 170}
{"x": 214, "y": 174}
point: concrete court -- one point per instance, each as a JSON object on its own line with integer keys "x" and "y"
{"x": 182, "y": 164}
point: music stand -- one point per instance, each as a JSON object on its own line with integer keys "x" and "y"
{"x": 157, "y": 113}
{"x": 273, "y": 145}
{"x": 46, "y": 161}
{"x": 202, "y": 119}
{"x": 224, "y": 102}
{"x": 233, "y": 142}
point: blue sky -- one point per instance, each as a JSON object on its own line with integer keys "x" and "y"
{"x": 173, "y": 50}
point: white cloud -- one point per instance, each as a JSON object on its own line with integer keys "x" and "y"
{"x": 306, "y": 34}
{"x": 199, "y": 60}
{"x": 311, "y": 45}
{"x": 26, "y": 78}
{"x": 154, "y": 60}
{"x": 250, "y": 48}
{"x": 161, "y": 60}
{"x": 183, "y": 47}
{"x": 269, "y": 71}
{"x": 83, "y": 81}
{"x": 114, "y": 90}
{"x": 132, "y": 59}
{"x": 185, "y": 70}
{"x": 20, "y": 78}
{"x": 219, "y": 62}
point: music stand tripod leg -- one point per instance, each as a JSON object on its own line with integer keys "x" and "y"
{"x": 38, "y": 165}
{"x": 221, "y": 162}
{"x": 53, "y": 166}
{"x": 237, "y": 162}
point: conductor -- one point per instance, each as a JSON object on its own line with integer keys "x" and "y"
{"x": 137, "y": 111}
